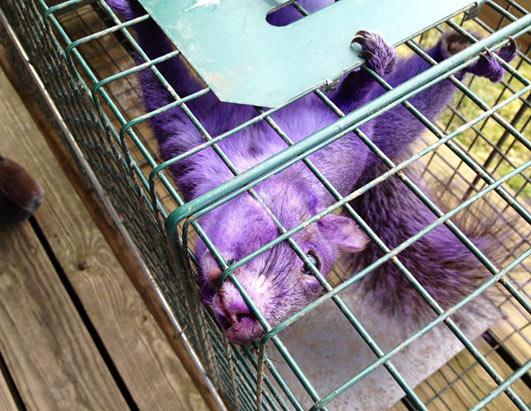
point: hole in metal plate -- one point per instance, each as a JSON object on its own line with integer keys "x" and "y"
{"x": 293, "y": 11}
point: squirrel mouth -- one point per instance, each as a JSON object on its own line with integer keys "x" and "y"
{"x": 245, "y": 331}
{"x": 239, "y": 328}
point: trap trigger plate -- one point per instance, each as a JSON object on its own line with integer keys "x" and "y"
{"x": 244, "y": 59}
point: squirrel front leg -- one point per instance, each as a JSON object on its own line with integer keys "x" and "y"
{"x": 439, "y": 261}
{"x": 395, "y": 130}
{"x": 357, "y": 87}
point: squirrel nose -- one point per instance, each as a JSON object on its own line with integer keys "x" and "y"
{"x": 233, "y": 304}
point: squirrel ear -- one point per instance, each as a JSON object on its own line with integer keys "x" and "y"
{"x": 344, "y": 232}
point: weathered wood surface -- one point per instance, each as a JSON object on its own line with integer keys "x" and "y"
{"x": 151, "y": 371}
{"x": 46, "y": 346}
{"x": 462, "y": 382}
{"x": 14, "y": 65}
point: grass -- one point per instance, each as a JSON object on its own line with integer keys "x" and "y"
{"x": 512, "y": 152}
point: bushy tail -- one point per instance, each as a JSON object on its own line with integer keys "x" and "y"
{"x": 155, "y": 43}
{"x": 444, "y": 266}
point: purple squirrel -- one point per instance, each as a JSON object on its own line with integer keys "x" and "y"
{"x": 277, "y": 281}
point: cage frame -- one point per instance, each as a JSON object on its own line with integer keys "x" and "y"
{"x": 298, "y": 151}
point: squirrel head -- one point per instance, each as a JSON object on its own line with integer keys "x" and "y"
{"x": 277, "y": 280}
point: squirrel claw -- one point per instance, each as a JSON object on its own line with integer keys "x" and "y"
{"x": 489, "y": 66}
{"x": 378, "y": 55}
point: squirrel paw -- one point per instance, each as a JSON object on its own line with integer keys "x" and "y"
{"x": 378, "y": 55}
{"x": 488, "y": 65}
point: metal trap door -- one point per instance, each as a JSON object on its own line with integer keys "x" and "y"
{"x": 245, "y": 59}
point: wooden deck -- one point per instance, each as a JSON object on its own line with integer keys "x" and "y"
{"x": 74, "y": 332}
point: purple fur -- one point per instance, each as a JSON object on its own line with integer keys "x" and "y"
{"x": 276, "y": 280}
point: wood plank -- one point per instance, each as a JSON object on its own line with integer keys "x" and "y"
{"x": 478, "y": 381}
{"x": 514, "y": 332}
{"x": 47, "y": 348}
{"x": 146, "y": 362}
{"x": 462, "y": 382}
{"x": 7, "y": 402}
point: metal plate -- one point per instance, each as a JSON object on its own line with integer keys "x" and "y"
{"x": 328, "y": 368}
{"x": 246, "y": 60}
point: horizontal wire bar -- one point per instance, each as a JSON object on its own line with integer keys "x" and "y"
{"x": 99, "y": 84}
{"x": 76, "y": 43}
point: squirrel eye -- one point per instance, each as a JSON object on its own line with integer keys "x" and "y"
{"x": 230, "y": 261}
{"x": 314, "y": 259}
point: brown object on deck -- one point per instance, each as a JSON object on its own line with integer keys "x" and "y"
{"x": 20, "y": 194}
{"x": 73, "y": 329}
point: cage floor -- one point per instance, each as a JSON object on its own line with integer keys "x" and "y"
{"x": 64, "y": 342}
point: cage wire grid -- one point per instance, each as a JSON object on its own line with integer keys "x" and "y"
{"x": 469, "y": 153}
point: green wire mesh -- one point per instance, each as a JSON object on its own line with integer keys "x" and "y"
{"x": 478, "y": 153}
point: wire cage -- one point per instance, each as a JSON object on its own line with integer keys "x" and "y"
{"x": 476, "y": 154}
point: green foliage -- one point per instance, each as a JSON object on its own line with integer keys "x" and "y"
{"x": 482, "y": 140}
